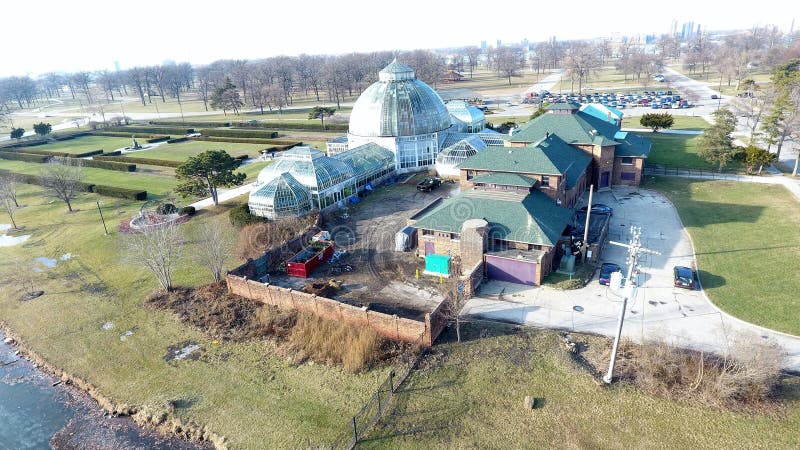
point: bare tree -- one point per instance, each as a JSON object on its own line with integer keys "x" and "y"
{"x": 215, "y": 247}
{"x": 453, "y": 292}
{"x": 61, "y": 178}
{"x": 7, "y": 204}
{"x": 158, "y": 249}
{"x": 508, "y": 61}
{"x": 8, "y": 186}
{"x": 24, "y": 276}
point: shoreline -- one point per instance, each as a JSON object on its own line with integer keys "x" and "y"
{"x": 160, "y": 421}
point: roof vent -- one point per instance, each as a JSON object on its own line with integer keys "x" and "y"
{"x": 593, "y": 132}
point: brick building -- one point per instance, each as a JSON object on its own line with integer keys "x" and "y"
{"x": 617, "y": 156}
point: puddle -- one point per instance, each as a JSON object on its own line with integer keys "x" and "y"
{"x": 183, "y": 350}
{"x": 66, "y": 257}
{"x": 10, "y": 241}
{"x": 108, "y": 325}
{"x": 48, "y": 263}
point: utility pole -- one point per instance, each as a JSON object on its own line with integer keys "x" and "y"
{"x": 102, "y": 218}
{"x": 634, "y": 248}
{"x": 586, "y": 226}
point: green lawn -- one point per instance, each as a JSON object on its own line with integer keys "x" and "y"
{"x": 470, "y": 395}
{"x": 84, "y": 144}
{"x": 681, "y": 151}
{"x": 747, "y": 243}
{"x": 155, "y": 183}
{"x": 243, "y": 391}
{"x": 680, "y": 122}
{"x": 252, "y": 169}
{"x": 183, "y": 150}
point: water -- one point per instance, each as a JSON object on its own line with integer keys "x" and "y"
{"x": 34, "y": 414}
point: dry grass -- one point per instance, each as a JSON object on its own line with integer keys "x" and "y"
{"x": 750, "y": 379}
{"x": 298, "y": 336}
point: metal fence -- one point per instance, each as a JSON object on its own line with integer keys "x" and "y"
{"x": 358, "y": 425}
{"x": 687, "y": 172}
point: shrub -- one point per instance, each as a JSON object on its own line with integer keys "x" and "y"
{"x": 166, "y": 208}
{"x": 109, "y": 165}
{"x": 118, "y": 192}
{"x": 27, "y": 157}
{"x": 114, "y": 153}
{"x": 567, "y": 285}
{"x": 67, "y": 155}
{"x": 306, "y": 126}
{"x": 240, "y": 216}
{"x": 153, "y": 140}
{"x": 149, "y": 161}
{"x": 198, "y": 124}
{"x": 176, "y": 140}
{"x": 249, "y": 140}
{"x": 657, "y": 121}
{"x": 136, "y": 129}
{"x": 187, "y": 211}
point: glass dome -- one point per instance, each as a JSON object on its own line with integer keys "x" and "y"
{"x": 309, "y": 166}
{"x": 284, "y": 196}
{"x": 448, "y": 161}
{"x": 398, "y": 105}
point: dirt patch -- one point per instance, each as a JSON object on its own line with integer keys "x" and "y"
{"x": 328, "y": 290}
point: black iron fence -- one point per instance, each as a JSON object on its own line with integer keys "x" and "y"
{"x": 358, "y": 425}
{"x": 688, "y": 172}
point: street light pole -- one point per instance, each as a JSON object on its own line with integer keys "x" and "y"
{"x": 634, "y": 248}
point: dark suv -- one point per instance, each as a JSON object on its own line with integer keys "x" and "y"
{"x": 429, "y": 184}
{"x": 684, "y": 277}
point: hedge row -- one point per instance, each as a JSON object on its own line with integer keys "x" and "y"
{"x": 27, "y": 157}
{"x": 109, "y": 191}
{"x": 134, "y": 160}
{"x": 249, "y": 140}
{"x": 68, "y": 155}
{"x": 153, "y": 140}
{"x": 132, "y": 129}
{"x": 176, "y": 140}
{"x": 114, "y": 153}
{"x": 113, "y": 191}
{"x": 307, "y": 126}
{"x": 110, "y": 165}
{"x": 197, "y": 124}
{"x": 239, "y": 133}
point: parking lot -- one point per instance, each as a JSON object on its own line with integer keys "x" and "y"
{"x": 659, "y": 312}
{"x": 658, "y": 98}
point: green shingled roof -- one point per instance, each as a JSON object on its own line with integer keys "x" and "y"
{"x": 505, "y": 179}
{"x": 562, "y": 107}
{"x": 550, "y": 156}
{"x": 532, "y": 219}
{"x": 633, "y": 145}
{"x": 572, "y": 128}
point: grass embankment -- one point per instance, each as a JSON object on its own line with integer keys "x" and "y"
{"x": 681, "y": 122}
{"x": 243, "y": 391}
{"x": 683, "y": 152}
{"x": 470, "y": 395}
{"x": 155, "y": 183}
{"x": 747, "y": 242}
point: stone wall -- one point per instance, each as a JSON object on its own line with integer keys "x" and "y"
{"x": 390, "y": 326}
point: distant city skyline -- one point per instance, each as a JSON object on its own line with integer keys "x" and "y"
{"x": 65, "y": 36}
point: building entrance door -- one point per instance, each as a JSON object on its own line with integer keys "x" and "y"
{"x": 604, "y": 180}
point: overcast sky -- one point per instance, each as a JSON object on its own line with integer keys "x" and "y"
{"x": 60, "y": 35}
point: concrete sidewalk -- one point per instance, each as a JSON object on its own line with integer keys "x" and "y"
{"x": 223, "y": 195}
{"x": 659, "y": 312}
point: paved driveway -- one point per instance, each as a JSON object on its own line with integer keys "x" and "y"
{"x": 659, "y": 311}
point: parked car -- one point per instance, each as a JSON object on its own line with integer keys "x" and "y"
{"x": 714, "y": 96}
{"x": 599, "y": 208}
{"x": 684, "y": 277}
{"x": 606, "y": 269}
{"x": 429, "y": 184}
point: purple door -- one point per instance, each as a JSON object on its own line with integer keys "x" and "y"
{"x": 429, "y": 248}
{"x": 604, "y": 179}
{"x": 511, "y": 270}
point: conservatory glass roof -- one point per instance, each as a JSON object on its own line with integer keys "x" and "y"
{"x": 398, "y": 105}
{"x": 460, "y": 151}
{"x": 367, "y": 159}
{"x": 283, "y": 196}
{"x": 309, "y": 166}
{"x": 462, "y": 111}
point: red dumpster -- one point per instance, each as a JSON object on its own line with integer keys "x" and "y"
{"x": 304, "y": 262}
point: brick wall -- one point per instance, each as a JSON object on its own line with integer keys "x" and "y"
{"x": 442, "y": 243}
{"x": 390, "y": 326}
